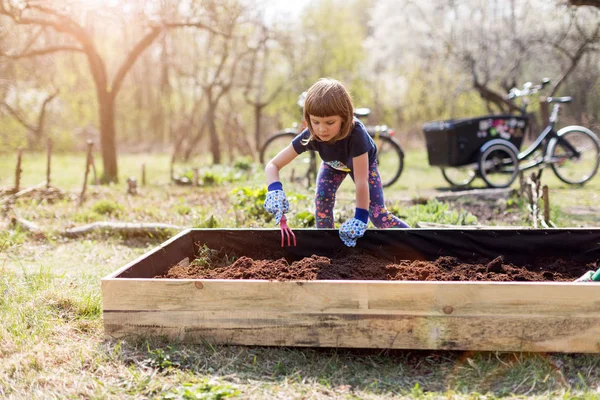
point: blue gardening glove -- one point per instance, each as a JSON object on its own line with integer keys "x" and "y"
{"x": 276, "y": 203}
{"x": 355, "y": 228}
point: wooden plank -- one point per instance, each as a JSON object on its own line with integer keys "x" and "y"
{"x": 371, "y": 297}
{"x": 552, "y": 334}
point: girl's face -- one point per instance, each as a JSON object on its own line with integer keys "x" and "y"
{"x": 326, "y": 128}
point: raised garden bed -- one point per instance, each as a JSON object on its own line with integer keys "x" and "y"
{"x": 314, "y": 299}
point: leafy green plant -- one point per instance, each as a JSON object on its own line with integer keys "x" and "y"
{"x": 210, "y": 179}
{"x": 251, "y": 201}
{"x": 305, "y": 219}
{"x": 210, "y": 223}
{"x": 243, "y": 164}
{"x": 158, "y": 358}
{"x": 189, "y": 175}
{"x": 205, "y": 257}
{"x": 86, "y": 217}
{"x": 12, "y": 237}
{"x": 205, "y": 390}
{"x": 417, "y": 392}
{"x": 183, "y": 209}
{"x": 434, "y": 211}
{"x": 108, "y": 207}
{"x": 556, "y": 215}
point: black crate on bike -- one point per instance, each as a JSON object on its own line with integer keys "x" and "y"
{"x": 457, "y": 142}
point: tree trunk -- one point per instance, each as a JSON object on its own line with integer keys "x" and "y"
{"x": 257, "y": 126}
{"x": 106, "y": 102}
{"x": 191, "y": 144}
{"x": 215, "y": 146}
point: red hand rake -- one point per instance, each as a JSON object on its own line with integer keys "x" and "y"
{"x": 286, "y": 232}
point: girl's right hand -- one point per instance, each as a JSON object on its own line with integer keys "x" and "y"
{"x": 277, "y": 204}
{"x": 351, "y": 231}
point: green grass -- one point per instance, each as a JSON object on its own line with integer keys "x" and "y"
{"x": 53, "y": 347}
{"x": 68, "y": 170}
{"x": 52, "y": 342}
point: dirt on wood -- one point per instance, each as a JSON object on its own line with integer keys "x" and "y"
{"x": 368, "y": 267}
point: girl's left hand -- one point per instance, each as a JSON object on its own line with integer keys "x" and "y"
{"x": 351, "y": 231}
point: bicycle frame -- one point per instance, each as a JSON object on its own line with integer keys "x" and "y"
{"x": 544, "y": 140}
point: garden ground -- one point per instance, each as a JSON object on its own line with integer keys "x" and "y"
{"x": 51, "y": 336}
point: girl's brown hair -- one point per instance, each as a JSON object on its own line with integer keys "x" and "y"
{"x": 327, "y": 98}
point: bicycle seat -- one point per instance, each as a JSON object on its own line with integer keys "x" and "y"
{"x": 362, "y": 112}
{"x": 566, "y": 99}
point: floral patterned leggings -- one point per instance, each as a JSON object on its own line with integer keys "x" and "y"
{"x": 328, "y": 182}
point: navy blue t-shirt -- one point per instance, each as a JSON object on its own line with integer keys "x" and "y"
{"x": 339, "y": 155}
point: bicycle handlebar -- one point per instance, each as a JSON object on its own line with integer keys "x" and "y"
{"x": 528, "y": 89}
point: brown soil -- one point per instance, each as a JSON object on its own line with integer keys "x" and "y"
{"x": 368, "y": 267}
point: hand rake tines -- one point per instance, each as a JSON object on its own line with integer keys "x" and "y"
{"x": 286, "y": 232}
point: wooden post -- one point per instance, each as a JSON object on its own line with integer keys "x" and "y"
{"x": 93, "y": 162}
{"x": 172, "y": 167}
{"x": 532, "y": 205}
{"x": 532, "y": 197}
{"x": 144, "y": 174}
{"x": 522, "y": 183}
{"x": 18, "y": 170}
{"x": 49, "y": 157}
{"x": 545, "y": 195}
{"x": 87, "y": 171}
{"x": 196, "y": 177}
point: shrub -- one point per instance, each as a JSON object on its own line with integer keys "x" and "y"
{"x": 108, "y": 207}
{"x": 433, "y": 211}
{"x": 251, "y": 201}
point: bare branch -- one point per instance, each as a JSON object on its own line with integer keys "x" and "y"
{"x": 275, "y": 93}
{"x": 574, "y": 61}
{"x": 486, "y": 93}
{"x": 35, "y": 130}
{"x": 33, "y": 39}
{"x": 18, "y": 117}
{"x": 555, "y": 45}
{"x": 40, "y": 126}
{"x": 46, "y": 51}
{"x": 142, "y": 45}
{"x": 196, "y": 25}
{"x": 66, "y": 25}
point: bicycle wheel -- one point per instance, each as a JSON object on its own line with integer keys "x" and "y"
{"x": 574, "y": 168}
{"x": 390, "y": 159}
{"x": 299, "y": 170}
{"x": 459, "y": 177}
{"x": 499, "y": 165}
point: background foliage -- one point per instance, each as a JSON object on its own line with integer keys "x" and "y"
{"x": 193, "y": 89}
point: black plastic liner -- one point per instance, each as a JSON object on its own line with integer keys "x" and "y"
{"x": 518, "y": 245}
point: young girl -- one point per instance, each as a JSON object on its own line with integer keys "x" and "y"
{"x": 345, "y": 148}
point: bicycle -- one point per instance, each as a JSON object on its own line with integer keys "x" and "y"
{"x": 390, "y": 156}
{"x": 488, "y": 147}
